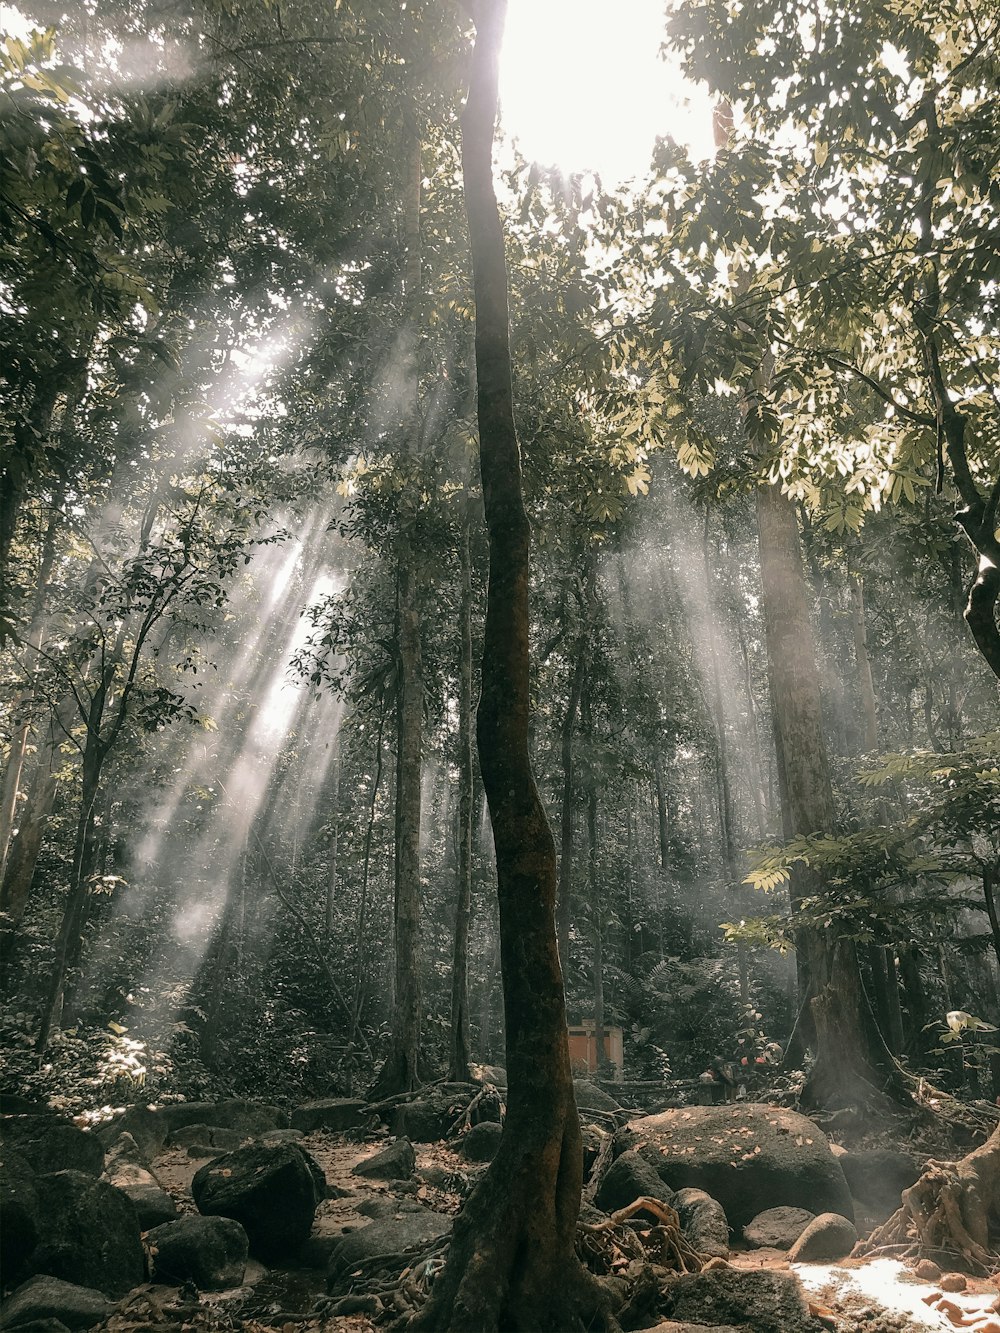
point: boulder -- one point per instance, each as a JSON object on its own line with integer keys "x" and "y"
{"x": 88, "y": 1233}
{"x": 480, "y": 1144}
{"x": 271, "y": 1192}
{"x": 45, "y": 1298}
{"x": 391, "y": 1236}
{"x": 878, "y": 1178}
{"x": 777, "y": 1228}
{"x": 828, "y": 1236}
{"x": 426, "y": 1119}
{"x": 49, "y": 1144}
{"x": 493, "y": 1074}
{"x": 760, "y": 1299}
{"x": 151, "y": 1126}
{"x": 393, "y": 1163}
{"x": 126, "y": 1169}
{"x": 211, "y": 1252}
{"x": 628, "y": 1178}
{"x": 19, "y": 1214}
{"x": 211, "y": 1139}
{"x": 336, "y": 1113}
{"x": 703, "y": 1221}
{"x": 275, "y": 1136}
{"x": 745, "y": 1156}
{"x": 589, "y": 1097}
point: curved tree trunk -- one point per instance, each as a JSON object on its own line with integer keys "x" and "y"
{"x": 512, "y": 1263}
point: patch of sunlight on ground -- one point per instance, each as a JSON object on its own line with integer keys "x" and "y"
{"x": 891, "y": 1285}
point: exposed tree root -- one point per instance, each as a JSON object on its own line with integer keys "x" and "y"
{"x": 948, "y": 1213}
{"x": 664, "y": 1243}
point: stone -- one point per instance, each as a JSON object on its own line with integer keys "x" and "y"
{"x": 89, "y": 1233}
{"x": 387, "y": 1205}
{"x": 126, "y": 1169}
{"x": 213, "y": 1137}
{"x": 275, "y": 1136}
{"x": 928, "y": 1270}
{"x": 492, "y": 1074}
{"x": 50, "y": 1298}
{"x": 480, "y": 1144}
{"x": 336, "y": 1113}
{"x": 396, "y": 1162}
{"x": 589, "y": 1097}
{"x": 628, "y": 1178}
{"x": 877, "y": 1178}
{"x": 777, "y": 1228}
{"x": 746, "y": 1156}
{"x": 828, "y": 1236}
{"x": 426, "y": 1119}
{"x": 763, "y": 1300}
{"x": 151, "y": 1126}
{"x": 953, "y": 1282}
{"x": 271, "y": 1192}
{"x": 50, "y": 1144}
{"x": 19, "y": 1214}
{"x": 391, "y": 1236}
{"x": 211, "y": 1252}
{"x": 703, "y": 1221}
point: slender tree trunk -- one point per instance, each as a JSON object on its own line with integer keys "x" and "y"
{"x": 460, "y": 1053}
{"x": 565, "y": 894}
{"x": 866, "y": 686}
{"x": 512, "y": 1263}
{"x": 331, "y": 869}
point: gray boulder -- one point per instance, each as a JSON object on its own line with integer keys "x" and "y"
{"x": 271, "y": 1192}
{"x": 828, "y": 1236}
{"x": 211, "y": 1252}
{"x": 426, "y": 1119}
{"x": 49, "y": 1144}
{"x": 589, "y": 1097}
{"x": 381, "y": 1206}
{"x": 49, "y": 1298}
{"x": 151, "y": 1126}
{"x": 336, "y": 1113}
{"x": 393, "y": 1163}
{"x": 389, "y": 1237}
{"x": 777, "y": 1228}
{"x": 703, "y": 1221}
{"x": 628, "y": 1178}
{"x": 745, "y": 1156}
{"x": 480, "y": 1144}
{"x": 878, "y": 1178}
{"x": 210, "y": 1139}
{"x": 761, "y": 1300}
{"x": 88, "y": 1234}
{"x": 275, "y": 1136}
{"x": 126, "y": 1169}
{"x": 19, "y": 1214}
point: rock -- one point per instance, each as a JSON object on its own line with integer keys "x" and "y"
{"x": 393, "y": 1163}
{"x": 213, "y": 1137}
{"x": 211, "y": 1252}
{"x": 125, "y": 1168}
{"x": 392, "y": 1236}
{"x": 151, "y": 1126}
{"x": 703, "y": 1221}
{"x": 481, "y": 1142}
{"x": 928, "y": 1270}
{"x": 19, "y": 1214}
{"x": 828, "y": 1236}
{"x": 777, "y": 1228}
{"x": 49, "y": 1144}
{"x": 745, "y": 1156}
{"x": 627, "y": 1179}
{"x": 337, "y": 1113}
{"x": 271, "y": 1192}
{"x": 275, "y": 1136}
{"x": 494, "y": 1074}
{"x": 878, "y": 1178}
{"x": 387, "y": 1205}
{"x": 953, "y": 1282}
{"x": 89, "y": 1233}
{"x": 589, "y": 1097}
{"x": 424, "y": 1120}
{"x": 760, "y": 1299}
{"x": 49, "y": 1298}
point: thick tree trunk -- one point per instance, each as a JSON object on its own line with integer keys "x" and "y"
{"x": 851, "y": 1059}
{"x": 512, "y": 1263}
{"x": 460, "y": 1053}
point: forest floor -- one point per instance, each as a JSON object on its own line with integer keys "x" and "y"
{"x": 874, "y": 1295}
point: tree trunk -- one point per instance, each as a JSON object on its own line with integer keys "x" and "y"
{"x": 460, "y": 1053}
{"x": 565, "y": 897}
{"x": 851, "y": 1059}
{"x": 512, "y": 1263}
{"x": 866, "y": 686}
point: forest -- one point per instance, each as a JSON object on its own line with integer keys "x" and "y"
{"x": 499, "y": 666}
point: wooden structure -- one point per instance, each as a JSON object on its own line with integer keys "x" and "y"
{"x": 583, "y": 1049}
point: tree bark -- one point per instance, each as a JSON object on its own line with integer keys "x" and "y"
{"x": 866, "y": 686}
{"x": 460, "y": 1052}
{"x": 512, "y": 1263}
